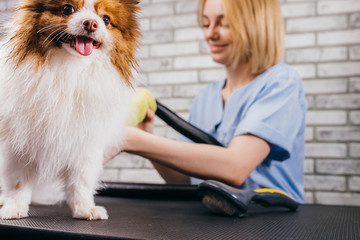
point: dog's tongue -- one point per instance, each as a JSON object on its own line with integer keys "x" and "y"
{"x": 84, "y": 45}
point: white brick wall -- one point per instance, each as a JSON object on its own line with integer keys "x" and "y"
{"x": 322, "y": 43}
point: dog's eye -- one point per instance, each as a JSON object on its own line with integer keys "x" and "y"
{"x": 68, "y": 10}
{"x": 106, "y": 19}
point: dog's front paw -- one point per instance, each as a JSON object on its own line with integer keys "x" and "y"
{"x": 14, "y": 211}
{"x": 95, "y": 213}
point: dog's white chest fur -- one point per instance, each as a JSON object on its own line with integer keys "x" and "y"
{"x": 73, "y": 102}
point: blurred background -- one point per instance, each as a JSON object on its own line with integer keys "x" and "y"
{"x": 322, "y": 44}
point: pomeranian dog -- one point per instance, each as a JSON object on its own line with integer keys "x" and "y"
{"x": 65, "y": 90}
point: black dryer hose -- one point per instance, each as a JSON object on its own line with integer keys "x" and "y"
{"x": 188, "y": 130}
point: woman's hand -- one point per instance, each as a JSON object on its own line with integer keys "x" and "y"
{"x": 112, "y": 152}
{"x": 116, "y": 149}
{"x": 147, "y": 124}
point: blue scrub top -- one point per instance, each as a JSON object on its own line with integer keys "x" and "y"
{"x": 272, "y": 107}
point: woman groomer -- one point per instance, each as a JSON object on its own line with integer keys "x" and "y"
{"x": 257, "y": 112}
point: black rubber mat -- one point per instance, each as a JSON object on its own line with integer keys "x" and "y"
{"x": 157, "y": 218}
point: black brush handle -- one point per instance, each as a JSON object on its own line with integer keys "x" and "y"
{"x": 188, "y": 130}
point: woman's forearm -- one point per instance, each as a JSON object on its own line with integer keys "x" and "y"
{"x": 232, "y": 165}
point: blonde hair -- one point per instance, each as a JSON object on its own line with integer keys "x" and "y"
{"x": 257, "y": 27}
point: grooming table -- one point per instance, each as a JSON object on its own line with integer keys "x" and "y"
{"x": 151, "y": 211}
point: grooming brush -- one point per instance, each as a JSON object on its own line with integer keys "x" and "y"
{"x": 223, "y": 199}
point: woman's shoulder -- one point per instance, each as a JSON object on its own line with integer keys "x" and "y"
{"x": 281, "y": 78}
{"x": 282, "y": 72}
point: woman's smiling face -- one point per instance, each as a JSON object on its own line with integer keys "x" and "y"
{"x": 217, "y": 32}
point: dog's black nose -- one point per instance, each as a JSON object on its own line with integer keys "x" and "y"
{"x": 90, "y": 25}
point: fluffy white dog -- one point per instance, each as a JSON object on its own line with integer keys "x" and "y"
{"x": 65, "y": 90}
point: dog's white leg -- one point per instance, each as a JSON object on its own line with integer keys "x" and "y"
{"x": 16, "y": 199}
{"x": 81, "y": 190}
{"x": 16, "y": 188}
